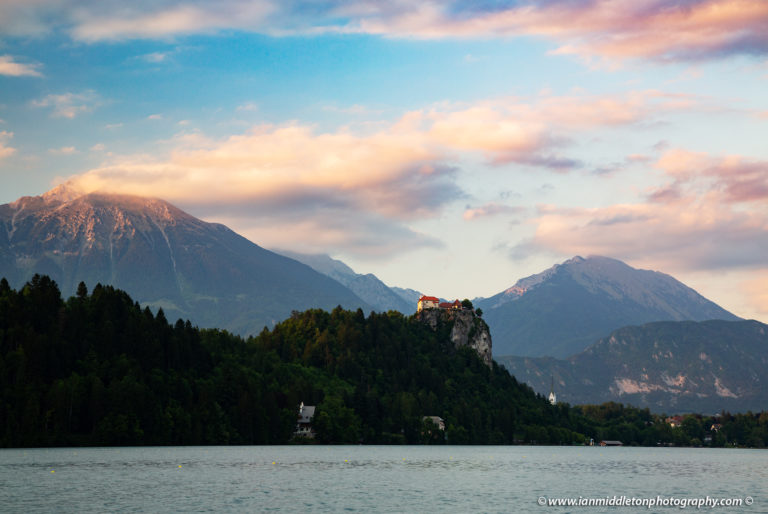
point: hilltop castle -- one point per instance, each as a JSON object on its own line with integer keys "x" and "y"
{"x": 431, "y": 302}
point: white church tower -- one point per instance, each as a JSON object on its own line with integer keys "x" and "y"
{"x": 552, "y": 395}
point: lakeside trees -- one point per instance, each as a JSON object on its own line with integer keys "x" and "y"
{"x": 98, "y": 369}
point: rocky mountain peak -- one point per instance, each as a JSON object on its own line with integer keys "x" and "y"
{"x": 162, "y": 256}
{"x": 565, "y": 308}
{"x": 63, "y": 193}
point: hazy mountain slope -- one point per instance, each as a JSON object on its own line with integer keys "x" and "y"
{"x": 161, "y": 256}
{"x": 668, "y": 366}
{"x": 566, "y": 308}
{"x": 368, "y": 287}
{"x": 411, "y": 296}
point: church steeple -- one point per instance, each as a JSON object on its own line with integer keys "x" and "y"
{"x": 552, "y": 395}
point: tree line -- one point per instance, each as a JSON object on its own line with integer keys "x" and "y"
{"x": 98, "y": 369}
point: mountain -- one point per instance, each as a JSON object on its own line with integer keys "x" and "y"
{"x": 566, "y": 308}
{"x": 409, "y": 295}
{"x": 668, "y": 366}
{"x": 162, "y": 256}
{"x": 375, "y": 292}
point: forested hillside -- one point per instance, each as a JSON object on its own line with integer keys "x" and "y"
{"x": 97, "y": 369}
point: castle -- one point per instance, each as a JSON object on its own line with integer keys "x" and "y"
{"x": 432, "y": 302}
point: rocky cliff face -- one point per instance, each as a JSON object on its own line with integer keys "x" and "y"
{"x": 466, "y": 329}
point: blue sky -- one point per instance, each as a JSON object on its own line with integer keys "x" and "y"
{"x": 446, "y": 149}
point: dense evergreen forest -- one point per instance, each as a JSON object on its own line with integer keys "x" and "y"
{"x": 97, "y": 369}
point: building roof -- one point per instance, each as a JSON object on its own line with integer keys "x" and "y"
{"x": 429, "y": 299}
{"x": 306, "y": 412}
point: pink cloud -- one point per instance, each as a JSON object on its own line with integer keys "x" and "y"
{"x": 357, "y": 192}
{"x": 653, "y": 29}
{"x": 140, "y": 21}
{"x": 532, "y": 131}
{"x": 681, "y": 235}
{"x": 612, "y": 29}
{"x": 713, "y": 214}
{"x": 404, "y": 171}
{"x": 490, "y": 210}
{"x": 736, "y": 178}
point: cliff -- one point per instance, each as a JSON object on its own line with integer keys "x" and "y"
{"x": 467, "y": 329}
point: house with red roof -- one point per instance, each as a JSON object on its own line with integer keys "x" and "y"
{"x": 427, "y": 302}
{"x": 432, "y": 302}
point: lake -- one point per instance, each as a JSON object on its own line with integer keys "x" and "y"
{"x": 377, "y": 478}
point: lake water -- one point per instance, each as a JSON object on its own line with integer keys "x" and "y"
{"x": 374, "y": 478}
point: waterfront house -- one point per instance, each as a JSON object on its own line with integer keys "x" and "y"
{"x": 304, "y": 422}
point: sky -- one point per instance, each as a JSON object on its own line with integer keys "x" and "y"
{"x": 446, "y": 146}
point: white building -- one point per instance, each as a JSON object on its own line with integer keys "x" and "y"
{"x": 304, "y": 422}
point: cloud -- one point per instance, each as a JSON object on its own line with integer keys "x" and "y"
{"x": 155, "y": 117}
{"x": 613, "y": 29}
{"x": 733, "y": 178}
{"x": 358, "y": 191}
{"x": 712, "y": 214}
{"x": 490, "y": 210}
{"x": 64, "y": 150}
{"x": 352, "y": 110}
{"x": 158, "y": 20}
{"x": 533, "y": 132}
{"x": 683, "y": 235}
{"x": 11, "y": 68}
{"x": 405, "y": 171}
{"x": 248, "y": 107}
{"x": 5, "y": 150}
{"x": 663, "y": 30}
{"x": 155, "y": 57}
{"x": 69, "y": 105}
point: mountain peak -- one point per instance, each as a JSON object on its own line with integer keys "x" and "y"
{"x": 63, "y": 193}
{"x": 163, "y": 256}
{"x": 565, "y": 308}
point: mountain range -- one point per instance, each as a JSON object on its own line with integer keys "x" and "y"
{"x": 163, "y": 256}
{"x": 380, "y": 296}
{"x": 672, "y": 367}
{"x": 564, "y": 309}
{"x": 205, "y": 272}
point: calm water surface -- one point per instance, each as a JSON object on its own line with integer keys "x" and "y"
{"x": 371, "y": 478}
